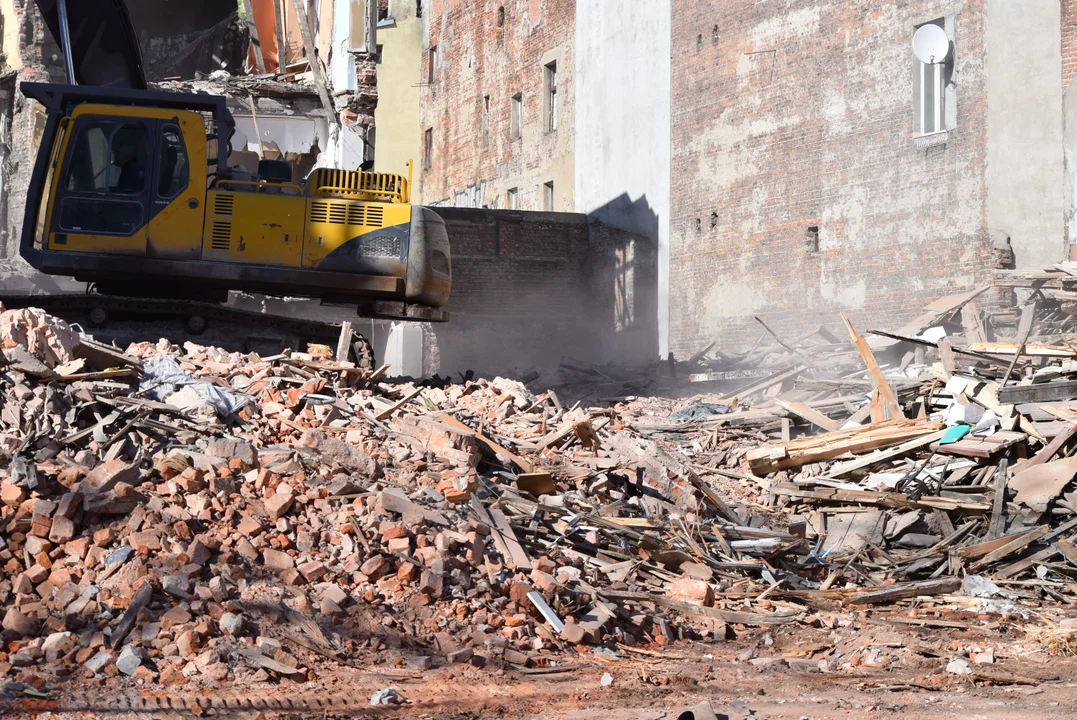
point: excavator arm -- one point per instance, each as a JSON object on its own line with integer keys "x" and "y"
{"x": 99, "y": 43}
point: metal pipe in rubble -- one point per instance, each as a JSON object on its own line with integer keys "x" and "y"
{"x": 65, "y": 41}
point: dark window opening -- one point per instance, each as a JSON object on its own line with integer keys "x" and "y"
{"x": 714, "y": 35}
{"x": 432, "y": 73}
{"x": 418, "y": 8}
{"x": 811, "y": 240}
{"x": 714, "y": 220}
{"x": 551, "y": 96}
{"x": 501, "y": 16}
{"x": 699, "y": 42}
{"x": 428, "y": 147}
{"x": 548, "y": 196}
{"x": 516, "y": 117}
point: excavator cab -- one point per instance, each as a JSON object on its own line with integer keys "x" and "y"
{"x": 132, "y": 192}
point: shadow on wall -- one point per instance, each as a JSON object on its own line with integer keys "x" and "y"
{"x": 624, "y": 240}
{"x": 530, "y": 288}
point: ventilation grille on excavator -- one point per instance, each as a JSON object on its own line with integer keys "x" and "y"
{"x": 223, "y": 204}
{"x": 221, "y": 238}
{"x": 335, "y": 213}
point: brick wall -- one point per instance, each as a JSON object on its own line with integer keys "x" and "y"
{"x": 800, "y": 114}
{"x": 1069, "y": 42}
{"x": 475, "y": 160}
{"x": 529, "y": 288}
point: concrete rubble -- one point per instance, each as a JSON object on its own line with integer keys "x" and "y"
{"x": 482, "y": 524}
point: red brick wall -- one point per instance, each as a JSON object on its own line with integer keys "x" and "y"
{"x": 800, "y": 113}
{"x": 475, "y": 161}
{"x": 1069, "y": 42}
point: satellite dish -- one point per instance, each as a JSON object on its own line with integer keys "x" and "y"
{"x": 930, "y": 45}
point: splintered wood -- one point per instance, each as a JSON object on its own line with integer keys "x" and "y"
{"x": 166, "y": 497}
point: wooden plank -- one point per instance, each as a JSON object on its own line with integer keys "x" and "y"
{"x": 887, "y": 499}
{"x": 1052, "y": 449}
{"x": 983, "y": 447}
{"x": 1043, "y": 392}
{"x": 1028, "y": 316}
{"x": 311, "y": 51}
{"x": 344, "y": 344}
{"x": 779, "y": 376}
{"x": 259, "y": 59}
{"x": 384, "y": 414}
{"x": 1068, "y": 550}
{"x": 1008, "y": 348}
{"x": 902, "y": 591}
{"x": 1016, "y": 545}
{"x": 998, "y": 526}
{"x": 885, "y": 392}
{"x": 802, "y": 451}
{"x": 1020, "y": 566}
{"x": 282, "y": 46}
{"x": 516, "y": 553}
{"x": 946, "y": 354}
{"x": 880, "y": 456}
{"x": 813, "y": 416}
{"x": 972, "y": 324}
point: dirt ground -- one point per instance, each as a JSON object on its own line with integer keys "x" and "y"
{"x": 900, "y": 674}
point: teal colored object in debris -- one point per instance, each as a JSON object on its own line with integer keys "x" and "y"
{"x": 954, "y": 434}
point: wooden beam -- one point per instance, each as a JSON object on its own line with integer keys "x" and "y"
{"x": 259, "y": 59}
{"x": 998, "y": 522}
{"x": 1043, "y": 392}
{"x": 344, "y": 343}
{"x": 282, "y": 44}
{"x": 813, "y": 416}
{"x": 886, "y": 393}
{"x": 802, "y": 451}
{"x": 1024, "y": 328}
{"x": 311, "y": 52}
{"x": 869, "y": 460}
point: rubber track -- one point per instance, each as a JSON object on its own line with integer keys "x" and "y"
{"x": 198, "y": 704}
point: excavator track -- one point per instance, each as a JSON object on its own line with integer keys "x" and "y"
{"x": 197, "y": 314}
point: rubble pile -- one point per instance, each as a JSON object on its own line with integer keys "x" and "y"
{"x": 182, "y": 515}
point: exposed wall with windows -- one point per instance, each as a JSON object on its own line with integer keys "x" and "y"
{"x": 497, "y": 104}
{"x": 819, "y": 169}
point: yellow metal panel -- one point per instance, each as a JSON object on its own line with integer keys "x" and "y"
{"x": 255, "y": 228}
{"x": 332, "y": 223}
{"x": 109, "y": 244}
{"x": 176, "y": 230}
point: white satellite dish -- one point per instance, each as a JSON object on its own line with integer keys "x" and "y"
{"x": 930, "y": 45}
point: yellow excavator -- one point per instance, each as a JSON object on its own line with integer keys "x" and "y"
{"x": 132, "y": 193}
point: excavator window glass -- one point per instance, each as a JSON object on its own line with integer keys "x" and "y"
{"x": 174, "y": 172}
{"x": 104, "y": 180}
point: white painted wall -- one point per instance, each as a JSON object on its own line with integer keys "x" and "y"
{"x": 1024, "y": 129}
{"x": 622, "y": 84}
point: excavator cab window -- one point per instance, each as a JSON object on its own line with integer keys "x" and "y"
{"x": 104, "y": 180}
{"x": 174, "y": 174}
